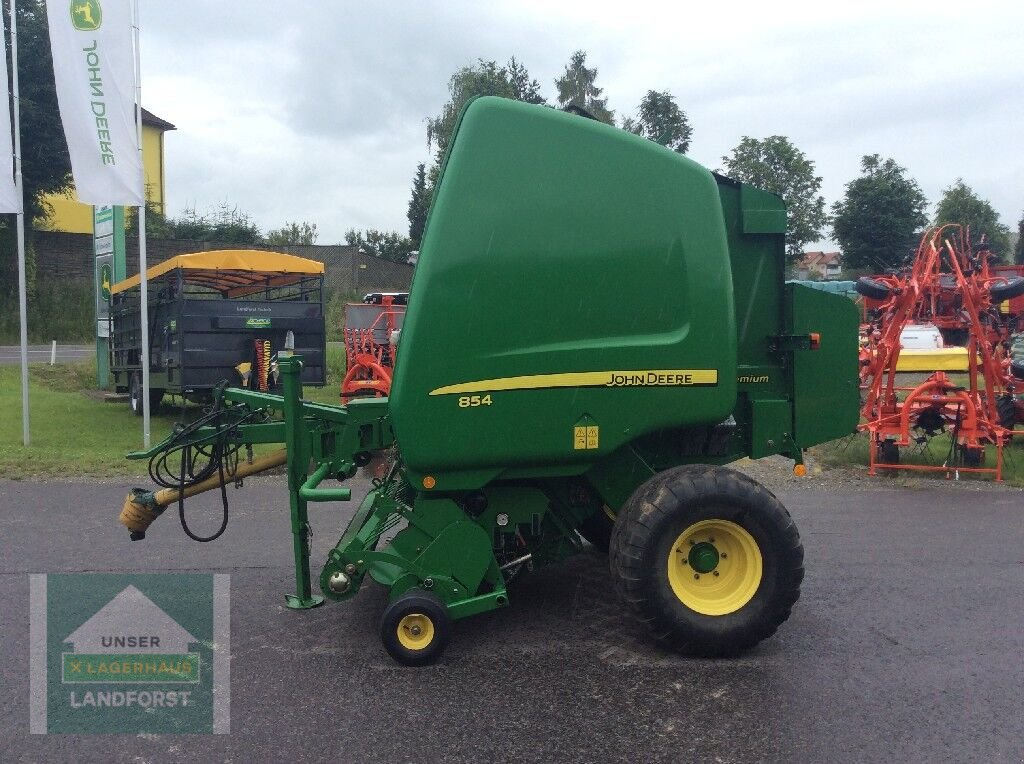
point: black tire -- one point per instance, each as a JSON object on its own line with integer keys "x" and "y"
{"x": 415, "y": 604}
{"x": 1014, "y": 287}
{"x": 660, "y": 513}
{"x": 597, "y": 529}
{"x": 135, "y": 394}
{"x": 888, "y": 452}
{"x": 1007, "y": 410}
{"x": 876, "y": 290}
{"x": 971, "y": 457}
{"x": 155, "y": 398}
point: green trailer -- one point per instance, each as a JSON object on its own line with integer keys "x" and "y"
{"x": 596, "y": 327}
{"x": 214, "y": 317}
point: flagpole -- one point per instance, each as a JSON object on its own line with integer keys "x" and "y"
{"x": 143, "y": 282}
{"x": 26, "y": 437}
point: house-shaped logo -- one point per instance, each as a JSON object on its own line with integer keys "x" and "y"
{"x": 130, "y": 639}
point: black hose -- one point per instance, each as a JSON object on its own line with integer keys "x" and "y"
{"x": 200, "y": 459}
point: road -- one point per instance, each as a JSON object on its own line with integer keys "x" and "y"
{"x": 907, "y": 645}
{"x": 11, "y": 354}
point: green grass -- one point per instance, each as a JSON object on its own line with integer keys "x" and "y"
{"x": 74, "y": 435}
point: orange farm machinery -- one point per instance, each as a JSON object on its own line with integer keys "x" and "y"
{"x": 371, "y": 343}
{"x": 950, "y": 284}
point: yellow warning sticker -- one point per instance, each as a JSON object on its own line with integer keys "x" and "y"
{"x": 585, "y": 437}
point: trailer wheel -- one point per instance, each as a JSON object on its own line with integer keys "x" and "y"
{"x": 155, "y": 398}
{"x": 135, "y": 394}
{"x": 597, "y": 529}
{"x": 1007, "y": 410}
{"x": 708, "y": 559}
{"x": 1014, "y": 287}
{"x": 888, "y": 452}
{"x": 876, "y": 290}
{"x": 415, "y": 628}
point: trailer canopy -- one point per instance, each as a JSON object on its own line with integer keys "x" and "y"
{"x": 234, "y": 272}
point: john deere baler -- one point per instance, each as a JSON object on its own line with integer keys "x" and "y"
{"x": 596, "y": 326}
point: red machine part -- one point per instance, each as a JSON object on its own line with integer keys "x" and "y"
{"x": 966, "y": 298}
{"x": 370, "y": 350}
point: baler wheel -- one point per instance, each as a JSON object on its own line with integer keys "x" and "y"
{"x": 597, "y": 529}
{"x": 415, "y": 628}
{"x": 708, "y": 559}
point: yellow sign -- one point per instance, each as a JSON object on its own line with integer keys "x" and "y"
{"x": 585, "y": 437}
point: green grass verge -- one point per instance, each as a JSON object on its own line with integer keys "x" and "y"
{"x": 74, "y": 435}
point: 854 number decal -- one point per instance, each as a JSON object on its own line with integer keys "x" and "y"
{"x": 472, "y": 401}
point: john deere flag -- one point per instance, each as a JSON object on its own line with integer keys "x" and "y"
{"x": 94, "y": 71}
{"x": 9, "y": 199}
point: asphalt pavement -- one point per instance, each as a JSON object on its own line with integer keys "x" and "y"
{"x": 906, "y": 645}
{"x": 11, "y": 354}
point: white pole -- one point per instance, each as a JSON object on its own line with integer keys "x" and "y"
{"x": 53, "y": 353}
{"x": 22, "y": 292}
{"x": 143, "y": 282}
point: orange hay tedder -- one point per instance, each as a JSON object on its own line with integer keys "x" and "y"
{"x": 371, "y": 343}
{"x": 980, "y": 412}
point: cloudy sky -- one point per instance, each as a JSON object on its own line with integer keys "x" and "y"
{"x": 316, "y": 110}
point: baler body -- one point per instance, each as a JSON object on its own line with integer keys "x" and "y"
{"x": 580, "y": 289}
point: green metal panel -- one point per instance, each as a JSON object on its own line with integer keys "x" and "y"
{"x": 560, "y": 250}
{"x": 772, "y": 427}
{"x": 825, "y": 381}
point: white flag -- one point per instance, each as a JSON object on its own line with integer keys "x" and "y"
{"x": 10, "y": 199}
{"x": 94, "y": 71}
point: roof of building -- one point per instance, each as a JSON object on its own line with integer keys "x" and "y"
{"x": 149, "y": 118}
{"x": 820, "y": 258}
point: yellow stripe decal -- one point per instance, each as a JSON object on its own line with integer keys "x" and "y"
{"x": 638, "y": 378}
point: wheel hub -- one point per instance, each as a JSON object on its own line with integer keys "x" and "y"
{"x": 703, "y": 557}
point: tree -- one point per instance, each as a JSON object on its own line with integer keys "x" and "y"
{"x": 1018, "y": 247}
{"x": 225, "y": 222}
{"x": 524, "y": 88}
{"x": 660, "y": 119}
{"x": 576, "y": 88}
{"x": 481, "y": 79}
{"x": 293, "y": 233}
{"x": 419, "y": 203}
{"x": 774, "y": 164}
{"x": 878, "y": 222}
{"x": 45, "y": 165}
{"x": 959, "y": 204}
{"x": 387, "y": 245}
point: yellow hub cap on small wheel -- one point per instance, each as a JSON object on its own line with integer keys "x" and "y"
{"x": 715, "y": 567}
{"x": 415, "y": 631}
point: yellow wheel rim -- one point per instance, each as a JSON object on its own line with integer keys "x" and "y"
{"x": 415, "y": 631}
{"x": 715, "y": 567}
